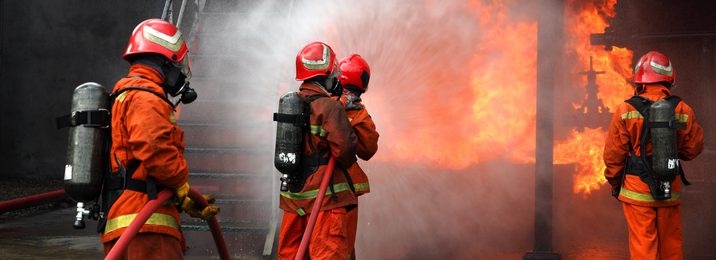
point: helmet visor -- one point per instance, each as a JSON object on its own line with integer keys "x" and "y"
{"x": 184, "y": 66}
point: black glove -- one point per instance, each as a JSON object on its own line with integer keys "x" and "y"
{"x": 615, "y": 191}
{"x": 351, "y": 101}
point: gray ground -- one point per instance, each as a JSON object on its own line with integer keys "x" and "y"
{"x": 43, "y": 232}
{"x": 11, "y": 188}
{"x": 48, "y": 235}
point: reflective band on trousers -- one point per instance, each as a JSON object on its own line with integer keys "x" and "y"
{"x": 312, "y": 194}
{"x": 646, "y": 197}
{"x": 155, "y": 219}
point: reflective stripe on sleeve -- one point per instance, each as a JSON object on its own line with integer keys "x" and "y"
{"x": 121, "y": 97}
{"x": 682, "y": 118}
{"x": 318, "y": 130}
{"x": 361, "y": 186}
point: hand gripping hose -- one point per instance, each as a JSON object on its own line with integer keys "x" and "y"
{"x": 152, "y": 206}
{"x": 201, "y": 203}
{"x": 300, "y": 255}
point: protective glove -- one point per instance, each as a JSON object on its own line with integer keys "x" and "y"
{"x": 181, "y": 192}
{"x": 189, "y": 206}
{"x": 351, "y": 101}
{"x": 615, "y": 191}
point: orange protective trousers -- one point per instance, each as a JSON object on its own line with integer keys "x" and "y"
{"x": 654, "y": 232}
{"x": 150, "y": 246}
{"x": 329, "y": 239}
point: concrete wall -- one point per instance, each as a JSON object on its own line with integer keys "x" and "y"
{"x": 47, "y": 48}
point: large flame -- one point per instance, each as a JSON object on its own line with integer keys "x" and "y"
{"x": 452, "y": 98}
{"x": 473, "y": 114}
{"x": 585, "y": 148}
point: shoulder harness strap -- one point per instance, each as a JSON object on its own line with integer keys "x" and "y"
{"x": 125, "y": 89}
{"x": 642, "y": 105}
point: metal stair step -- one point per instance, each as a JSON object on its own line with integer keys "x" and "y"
{"x": 216, "y": 22}
{"x": 223, "y": 66}
{"x": 241, "y": 242}
{"x": 216, "y": 89}
{"x": 220, "y": 44}
{"x": 227, "y": 160}
{"x": 229, "y": 184}
{"x": 247, "y": 100}
{"x": 226, "y": 136}
{"x": 186, "y": 124}
{"x": 242, "y": 6}
{"x": 225, "y": 6}
{"x": 236, "y": 212}
{"x": 226, "y": 112}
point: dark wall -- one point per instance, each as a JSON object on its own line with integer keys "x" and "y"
{"x": 47, "y": 48}
{"x": 686, "y": 33}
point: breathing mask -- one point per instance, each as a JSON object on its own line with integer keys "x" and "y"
{"x": 176, "y": 81}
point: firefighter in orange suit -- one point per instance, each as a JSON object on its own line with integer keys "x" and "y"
{"x": 651, "y": 207}
{"x": 355, "y": 75}
{"x": 147, "y": 144}
{"x": 330, "y": 135}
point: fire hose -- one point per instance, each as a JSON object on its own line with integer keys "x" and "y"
{"x": 314, "y": 212}
{"x": 151, "y": 206}
{"x": 29, "y": 201}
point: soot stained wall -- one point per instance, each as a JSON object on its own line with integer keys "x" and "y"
{"x": 47, "y": 48}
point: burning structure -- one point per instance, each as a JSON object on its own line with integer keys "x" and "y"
{"x": 458, "y": 97}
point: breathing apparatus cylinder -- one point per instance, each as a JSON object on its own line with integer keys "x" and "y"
{"x": 289, "y": 136}
{"x": 88, "y": 144}
{"x": 665, "y": 160}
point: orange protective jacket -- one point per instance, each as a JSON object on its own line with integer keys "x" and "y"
{"x": 367, "y": 145}
{"x": 624, "y": 134}
{"x": 144, "y": 128}
{"x": 330, "y": 132}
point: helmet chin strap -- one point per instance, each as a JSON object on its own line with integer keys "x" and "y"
{"x": 336, "y": 89}
{"x": 638, "y": 88}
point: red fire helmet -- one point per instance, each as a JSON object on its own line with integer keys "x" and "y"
{"x": 354, "y": 71}
{"x": 157, "y": 36}
{"x": 316, "y": 59}
{"x": 654, "y": 67}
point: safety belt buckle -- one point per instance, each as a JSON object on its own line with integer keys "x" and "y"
{"x": 674, "y": 124}
{"x": 74, "y": 118}
{"x": 93, "y": 118}
{"x": 123, "y": 174}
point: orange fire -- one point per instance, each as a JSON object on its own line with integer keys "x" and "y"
{"x": 585, "y": 148}
{"x": 474, "y": 116}
{"x": 464, "y": 96}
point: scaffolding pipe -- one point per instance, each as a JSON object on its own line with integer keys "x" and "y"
{"x": 181, "y": 13}
{"x": 165, "y": 11}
